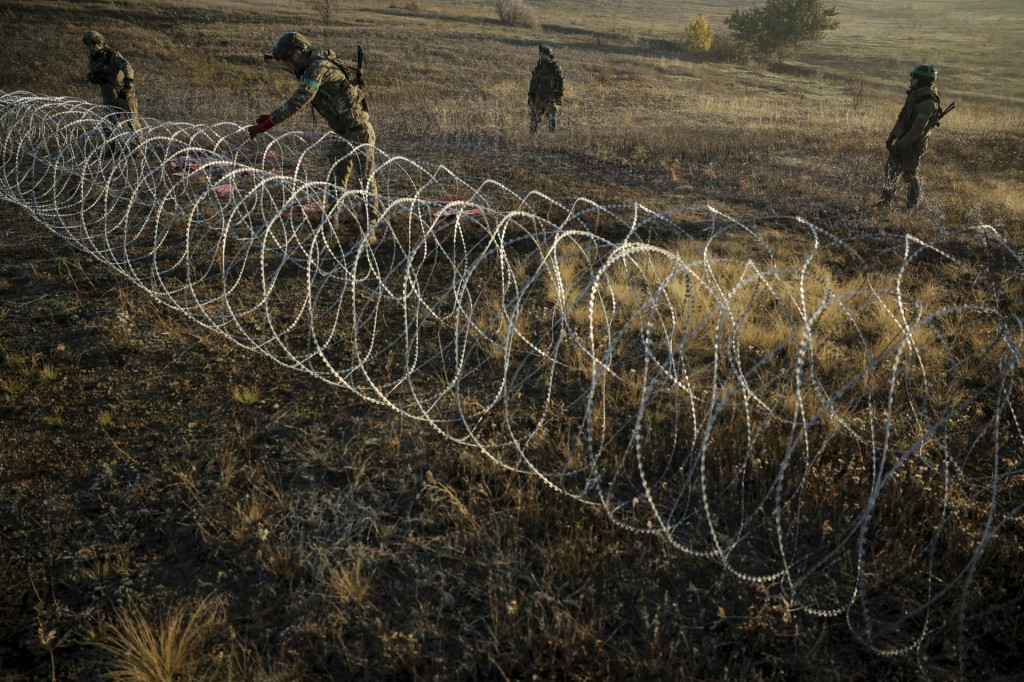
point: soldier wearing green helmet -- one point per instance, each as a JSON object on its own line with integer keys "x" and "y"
{"x": 114, "y": 74}
{"x": 335, "y": 93}
{"x": 909, "y": 137}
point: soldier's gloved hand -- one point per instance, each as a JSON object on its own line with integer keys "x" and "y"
{"x": 889, "y": 143}
{"x": 263, "y": 124}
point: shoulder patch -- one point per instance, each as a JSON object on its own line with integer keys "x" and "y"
{"x": 310, "y": 83}
{"x": 923, "y": 116}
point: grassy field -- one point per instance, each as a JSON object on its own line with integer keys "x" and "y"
{"x": 174, "y": 509}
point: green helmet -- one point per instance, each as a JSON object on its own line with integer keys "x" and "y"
{"x": 288, "y": 42}
{"x": 93, "y": 38}
{"x": 925, "y": 72}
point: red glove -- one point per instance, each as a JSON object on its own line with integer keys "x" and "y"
{"x": 263, "y": 124}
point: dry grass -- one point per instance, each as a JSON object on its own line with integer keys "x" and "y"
{"x": 163, "y": 648}
{"x": 347, "y": 583}
{"x": 246, "y": 395}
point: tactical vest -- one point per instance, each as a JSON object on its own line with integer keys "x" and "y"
{"x": 339, "y": 100}
{"x": 105, "y": 65}
{"x": 546, "y": 82}
{"x": 915, "y": 97}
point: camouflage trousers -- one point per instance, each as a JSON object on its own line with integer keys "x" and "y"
{"x": 904, "y": 163}
{"x": 542, "y": 108}
{"x": 128, "y": 107}
{"x": 345, "y": 164}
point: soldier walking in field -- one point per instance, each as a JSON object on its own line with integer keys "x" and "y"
{"x": 909, "y": 137}
{"x": 545, "y": 90}
{"x": 334, "y": 91}
{"x": 115, "y": 76}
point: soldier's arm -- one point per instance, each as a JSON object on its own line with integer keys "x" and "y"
{"x": 125, "y": 68}
{"x": 894, "y": 135}
{"x": 558, "y": 81}
{"x": 309, "y": 85}
{"x": 922, "y": 114}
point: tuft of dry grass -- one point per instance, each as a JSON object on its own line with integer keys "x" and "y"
{"x": 348, "y": 583}
{"x": 107, "y": 565}
{"x": 47, "y": 372}
{"x": 147, "y": 648}
{"x": 11, "y": 388}
{"x": 246, "y": 395}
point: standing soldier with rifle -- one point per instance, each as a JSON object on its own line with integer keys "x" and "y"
{"x": 545, "y": 90}
{"x": 909, "y": 137}
{"x": 335, "y": 92}
{"x": 115, "y": 76}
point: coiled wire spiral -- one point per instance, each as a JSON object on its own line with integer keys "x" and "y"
{"x": 761, "y": 393}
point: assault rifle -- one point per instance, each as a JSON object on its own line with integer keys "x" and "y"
{"x": 938, "y": 118}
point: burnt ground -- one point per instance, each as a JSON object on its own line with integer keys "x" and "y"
{"x": 134, "y": 479}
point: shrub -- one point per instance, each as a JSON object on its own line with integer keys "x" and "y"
{"x": 516, "y": 13}
{"x": 726, "y": 49}
{"x": 699, "y": 35}
{"x": 779, "y": 27}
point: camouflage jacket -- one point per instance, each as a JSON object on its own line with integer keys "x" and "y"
{"x": 334, "y": 95}
{"x": 921, "y": 104}
{"x": 106, "y": 64}
{"x": 546, "y": 81}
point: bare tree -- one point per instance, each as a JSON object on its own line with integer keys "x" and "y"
{"x": 325, "y": 8}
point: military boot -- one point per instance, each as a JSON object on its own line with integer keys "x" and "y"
{"x": 370, "y": 219}
{"x": 913, "y": 195}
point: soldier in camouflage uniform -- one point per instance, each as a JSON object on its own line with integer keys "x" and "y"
{"x": 115, "y": 76}
{"x": 909, "y": 137}
{"x": 545, "y": 89}
{"x": 333, "y": 89}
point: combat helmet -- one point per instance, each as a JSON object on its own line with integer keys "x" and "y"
{"x": 91, "y": 38}
{"x": 286, "y": 43}
{"x": 924, "y": 72}
{"x": 545, "y": 50}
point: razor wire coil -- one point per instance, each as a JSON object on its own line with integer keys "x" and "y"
{"x": 763, "y": 393}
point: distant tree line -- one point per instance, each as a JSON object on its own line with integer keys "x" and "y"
{"x": 770, "y": 32}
